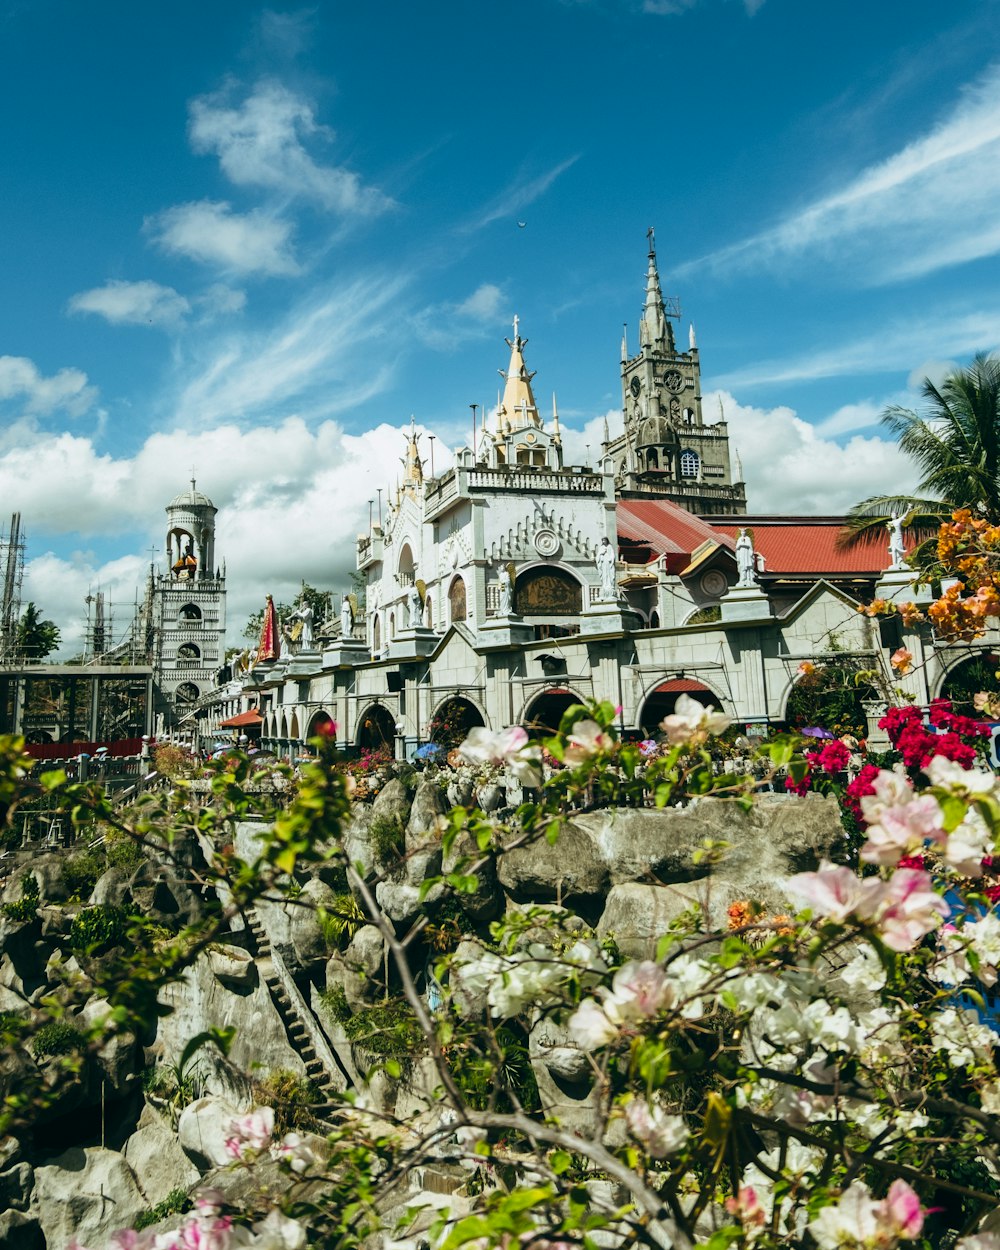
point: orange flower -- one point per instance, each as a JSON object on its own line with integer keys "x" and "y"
{"x": 902, "y": 661}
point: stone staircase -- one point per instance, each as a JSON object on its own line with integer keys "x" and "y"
{"x": 297, "y": 1028}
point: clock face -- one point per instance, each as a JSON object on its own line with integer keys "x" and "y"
{"x": 673, "y": 380}
{"x": 635, "y": 386}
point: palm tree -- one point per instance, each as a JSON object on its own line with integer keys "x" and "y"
{"x": 36, "y": 638}
{"x": 956, "y": 446}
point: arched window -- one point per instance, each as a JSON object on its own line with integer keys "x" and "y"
{"x": 689, "y": 416}
{"x": 376, "y": 637}
{"x": 188, "y": 653}
{"x": 392, "y": 624}
{"x": 186, "y": 693}
{"x": 429, "y": 609}
{"x": 456, "y": 600}
{"x": 406, "y": 566}
{"x": 190, "y": 612}
{"x": 652, "y": 460}
{"x": 547, "y": 591}
{"x": 690, "y": 464}
{"x": 450, "y": 724}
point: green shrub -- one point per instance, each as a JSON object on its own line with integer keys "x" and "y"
{"x": 98, "y": 928}
{"x": 387, "y": 838}
{"x": 335, "y": 1001}
{"x": 79, "y": 873}
{"x": 27, "y": 904}
{"x": 291, "y": 1097}
{"x": 384, "y": 1031}
{"x": 57, "y": 1038}
{"x": 339, "y": 921}
{"x": 482, "y": 1076}
{"x": 175, "y": 1203}
{"x": 122, "y": 851}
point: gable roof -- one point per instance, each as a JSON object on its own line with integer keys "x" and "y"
{"x": 806, "y": 545}
{"x": 665, "y": 529}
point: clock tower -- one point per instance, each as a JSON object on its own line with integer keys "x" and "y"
{"x": 667, "y": 450}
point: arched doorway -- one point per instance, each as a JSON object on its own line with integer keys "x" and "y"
{"x": 662, "y": 700}
{"x": 376, "y": 729}
{"x": 968, "y": 678}
{"x": 321, "y": 725}
{"x": 452, "y": 721}
{"x": 545, "y": 711}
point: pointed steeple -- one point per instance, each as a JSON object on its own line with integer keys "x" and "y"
{"x": 518, "y": 409}
{"x": 692, "y": 338}
{"x": 624, "y": 342}
{"x": 413, "y": 469}
{"x": 654, "y": 330}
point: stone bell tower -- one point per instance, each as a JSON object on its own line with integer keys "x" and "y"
{"x": 189, "y": 604}
{"x": 667, "y": 450}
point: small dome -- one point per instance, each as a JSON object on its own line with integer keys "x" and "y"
{"x": 191, "y": 498}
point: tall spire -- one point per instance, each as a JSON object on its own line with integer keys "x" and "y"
{"x": 413, "y": 469}
{"x": 654, "y": 330}
{"x": 518, "y": 409}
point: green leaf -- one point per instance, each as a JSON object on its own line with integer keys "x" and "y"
{"x": 393, "y": 1069}
{"x": 52, "y": 779}
{"x": 560, "y": 1161}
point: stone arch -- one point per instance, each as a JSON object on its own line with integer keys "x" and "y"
{"x": 392, "y": 626}
{"x": 458, "y": 603}
{"x": 690, "y": 464}
{"x": 547, "y": 590}
{"x": 376, "y": 728}
{"x": 283, "y": 733}
{"x": 452, "y": 719}
{"x": 429, "y": 611}
{"x": 188, "y": 652}
{"x": 376, "y": 634}
{"x": 661, "y": 699}
{"x": 186, "y": 693}
{"x": 965, "y": 676}
{"x": 544, "y": 710}
{"x": 320, "y": 723}
{"x": 293, "y": 726}
{"x": 654, "y": 619}
{"x": 190, "y": 612}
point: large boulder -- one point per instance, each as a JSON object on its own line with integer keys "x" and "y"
{"x": 393, "y": 802}
{"x": 428, "y": 806}
{"x": 357, "y": 838}
{"x": 86, "y": 1194}
{"x": 117, "y": 1057}
{"x": 159, "y": 892}
{"x": 157, "y": 1159}
{"x": 308, "y": 943}
{"x": 202, "y": 1130}
{"x": 112, "y": 888}
{"x": 571, "y": 868}
{"x": 637, "y": 915}
{"x": 20, "y": 1231}
{"x": 234, "y": 967}
{"x": 17, "y": 1184}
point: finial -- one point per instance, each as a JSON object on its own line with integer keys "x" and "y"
{"x": 739, "y": 464}
{"x": 692, "y": 341}
{"x": 624, "y": 341}
{"x": 722, "y": 411}
{"x": 607, "y": 432}
{"x": 652, "y": 241}
{"x": 516, "y": 324}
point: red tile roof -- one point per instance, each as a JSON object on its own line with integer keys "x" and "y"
{"x": 807, "y": 545}
{"x": 789, "y": 545}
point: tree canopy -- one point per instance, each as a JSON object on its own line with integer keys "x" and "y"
{"x": 36, "y": 638}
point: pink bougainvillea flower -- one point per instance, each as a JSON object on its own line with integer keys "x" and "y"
{"x": 509, "y": 747}
{"x": 585, "y": 740}
{"x": 660, "y": 1133}
{"x": 250, "y": 1134}
{"x": 692, "y": 722}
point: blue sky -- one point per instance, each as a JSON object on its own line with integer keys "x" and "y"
{"x": 256, "y": 240}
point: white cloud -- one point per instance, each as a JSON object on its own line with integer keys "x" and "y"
{"x": 791, "y": 466}
{"x": 446, "y": 326}
{"x": 577, "y": 440}
{"x": 291, "y": 502}
{"x": 211, "y": 233}
{"x": 37, "y": 395}
{"x": 261, "y": 143}
{"x": 890, "y": 349}
{"x": 932, "y": 204}
{"x": 310, "y": 359}
{"x": 132, "y": 303}
{"x": 519, "y": 194}
{"x": 219, "y": 300}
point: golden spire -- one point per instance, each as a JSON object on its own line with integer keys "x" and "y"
{"x": 518, "y": 409}
{"x": 413, "y": 469}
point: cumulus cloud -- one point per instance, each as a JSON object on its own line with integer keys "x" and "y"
{"x": 900, "y": 218}
{"x": 446, "y": 326}
{"x": 291, "y": 502}
{"x": 261, "y": 142}
{"x": 132, "y": 303}
{"x": 22, "y": 384}
{"x": 791, "y": 466}
{"x": 212, "y": 233}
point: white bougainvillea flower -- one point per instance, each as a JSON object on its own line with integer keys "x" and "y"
{"x": 298, "y": 1154}
{"x": 907, "y": 909}
{"x": 278, "y": 1232}
{"x": 639, "y": 991}
{"x": 509, "y": 748}
{"x": 857, "y": 1220}
{"x": 662, "y": 1134}
{"x": 833, "y": 891}
{"x": 590, "y": 1027}
{"x": 692, "y": 722}
{"x": 585, "y": 740}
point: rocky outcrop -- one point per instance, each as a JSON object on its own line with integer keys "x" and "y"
{"x": 86, "y": 1194}
{"x": 155, "y": 1155}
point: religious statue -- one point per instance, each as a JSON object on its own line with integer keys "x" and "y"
{"x": 606, "y": 568}
{"x": 346, "y": 617}
{"x": 305, "y": 615}
{"x": 897, "y": 551}
{"x": 745, "y": 561}
{"x": 416, "y": 607}
{"x": 506, "y": 604}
